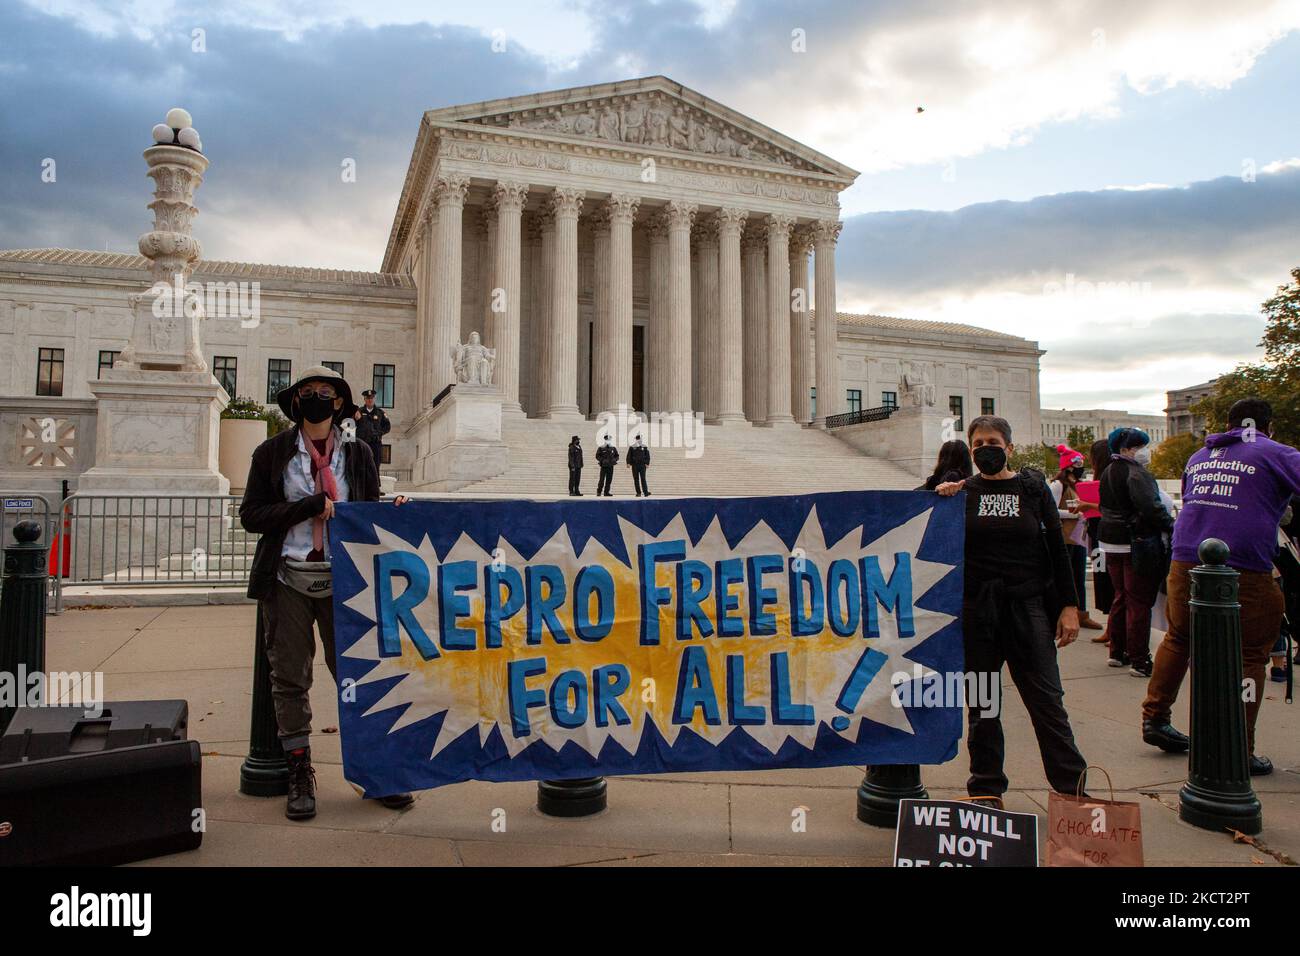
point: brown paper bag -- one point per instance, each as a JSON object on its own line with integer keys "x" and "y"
{"x": 1093, "y": 832}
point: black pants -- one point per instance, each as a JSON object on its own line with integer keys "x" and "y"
{"x": 376, "y": 449}
{"x": 638, "y": 480}
{"x": 605, "y": 480}
{"x": 1024, "y": 639}
{"x": 1079, "y": 565}
{"x": 575, "y": 475}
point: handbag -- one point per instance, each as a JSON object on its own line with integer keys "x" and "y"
{"x": 1088, "y": 831}
{"x": 311, "y": 578}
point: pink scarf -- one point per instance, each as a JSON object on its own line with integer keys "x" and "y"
{"x": 324, "y": 482}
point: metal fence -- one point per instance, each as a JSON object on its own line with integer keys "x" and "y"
{"x": 156, "y": 540}
{"x": 16, "y": 506}
{"x": 860, "y": 416}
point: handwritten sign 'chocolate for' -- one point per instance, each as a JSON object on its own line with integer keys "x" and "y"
{"x": 958, "y": 833}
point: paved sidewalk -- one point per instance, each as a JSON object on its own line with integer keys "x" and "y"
{"x": 204, "y": 655}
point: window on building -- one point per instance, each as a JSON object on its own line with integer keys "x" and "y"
{"x": 106, "y": 360}
{"x": 225, "y": 368}
{"x": 335, "y": 367}
{"x": 49, "y": 371}
{"x": 853, "y": 399}
{"x": 383, "y": 383}
{"x": 812, "y": 399}
{"x": 986, "y": 406}
{"x": 385, "y": 454}
{"x": 889, "y": 399}
{"x": 955, "y": 409}
{"x": 278, "y": 372}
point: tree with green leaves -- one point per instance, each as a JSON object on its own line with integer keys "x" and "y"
{"x": 1081, "y": 438}
{"x": 1276, "y": 379}
{"x": 1170, "y": 457}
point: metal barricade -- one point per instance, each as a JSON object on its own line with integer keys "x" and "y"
{"x": 18, "y": 506}
{"x": 157, "y": 540}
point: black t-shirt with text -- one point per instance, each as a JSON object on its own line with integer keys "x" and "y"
{"x": 1004, "y": 532}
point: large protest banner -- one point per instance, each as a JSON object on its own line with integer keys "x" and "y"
{"x": 515, "y": 640}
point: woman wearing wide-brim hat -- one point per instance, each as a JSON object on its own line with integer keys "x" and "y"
{"x": 293, "y": 482}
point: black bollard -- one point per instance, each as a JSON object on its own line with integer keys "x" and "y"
{"x": 265, "y": 772}
{"x": 1218, "y": 794}
{"x": 572, "y": 798}
{"x": 883, "y": 787}
{"x": 22, "y": 609}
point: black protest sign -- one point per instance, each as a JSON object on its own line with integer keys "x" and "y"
{"x": 958, "y": 833}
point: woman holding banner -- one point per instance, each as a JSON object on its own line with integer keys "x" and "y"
{"x": 293, "y": 482}
{"x": 1019, "y": 607}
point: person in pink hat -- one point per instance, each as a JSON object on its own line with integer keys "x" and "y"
{"x": 1073, "y": 526}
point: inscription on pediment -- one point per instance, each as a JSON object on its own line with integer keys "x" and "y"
{"x": 648, "y": 119}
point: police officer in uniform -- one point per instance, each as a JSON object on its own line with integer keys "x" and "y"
{"x": 607, "y": 458}
{"x": 372, "y": 424}
{"x": 638, "y": 459}
{"x": 575, "y": 467}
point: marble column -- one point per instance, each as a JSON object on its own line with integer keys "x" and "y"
{"x": 444, "y": 331}
{"x": 753, "y": 245}
{"x": 680, "y": 217}
{"x": 612, "y": 372}
{"x": 487, "y": 251}
{"x": 697, "y": 327}
{"x": 420, "y": 274}
{"x": 565, "y": 205}
{"x": 544, "y": 273}
{"x": 801, "y": 346}
{"x": 601, "y": 333}
{"x": 707, "y": 354}
{"x": 504, "y": 296}
{"x": 657, "y": 366}
{"x": 830, "y": 400}
{"x": 778, "y": 320}
{"x": 730, "y": 347}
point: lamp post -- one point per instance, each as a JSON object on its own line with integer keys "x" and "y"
{"x": 265, "y": 771}
{"x": 1218, "y": 794}
{"x": 884, "y": 787}
{"x": 22, "y": 607}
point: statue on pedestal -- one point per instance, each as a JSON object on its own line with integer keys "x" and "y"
{"x": 473, "y": 362}
{"x": 918, "y": 389}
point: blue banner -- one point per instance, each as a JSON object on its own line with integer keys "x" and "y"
{"x": 516, "y": 640}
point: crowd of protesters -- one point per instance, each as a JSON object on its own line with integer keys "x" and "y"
{"x": 1030, "y": 543}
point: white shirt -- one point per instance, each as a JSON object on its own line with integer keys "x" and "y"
{"x": 298, "y": 484}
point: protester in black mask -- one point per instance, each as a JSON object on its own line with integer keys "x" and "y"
{"x": 293, "y": 482}
{"x": 1019, "y": 606}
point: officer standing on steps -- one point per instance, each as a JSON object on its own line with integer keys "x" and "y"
{"x": 638, "y": 459}
{"x": 372, "y": 424}
{"x": 607, "y": 458}
{"x": 575, "y": 466}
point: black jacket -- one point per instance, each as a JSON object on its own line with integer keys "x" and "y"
{"x": 607, "y": 456}
{"x": 1130, "y": 503}
{"x": 372, "y": 425}
{"x": 638, "y": 456}
{"x": 575, "y": 456}
{"x": 264, "y": 510}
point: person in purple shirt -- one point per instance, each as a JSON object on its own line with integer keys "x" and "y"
{"x": 1234, "y": 489}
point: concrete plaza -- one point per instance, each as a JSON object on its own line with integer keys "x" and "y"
{"x": 204, "y": 654}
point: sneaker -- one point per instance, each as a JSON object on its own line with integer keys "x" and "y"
{"x": 1141, "y": 668}
{"x": 301, "y": 801}
{"x": 1121, "y": 661}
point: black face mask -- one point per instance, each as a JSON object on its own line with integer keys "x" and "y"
{"x": 1077, "y": 472}
{"x": 316, "y": 409}
{"x": 990, "y": 459}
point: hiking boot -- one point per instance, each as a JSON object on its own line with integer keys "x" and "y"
{"x": 1164, "y": 736}
{"x": 301, "y": 802}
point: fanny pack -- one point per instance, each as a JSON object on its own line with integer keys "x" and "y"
{"x": 311, "y": 578}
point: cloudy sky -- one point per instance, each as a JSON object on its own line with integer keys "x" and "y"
{"x": 1119, "y": 181}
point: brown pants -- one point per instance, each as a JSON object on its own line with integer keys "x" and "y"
{"x": 1261, "y": 619}
{"x": 291, "y": 652}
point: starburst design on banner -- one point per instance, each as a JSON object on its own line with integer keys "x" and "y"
{"x": 469, "y": 687}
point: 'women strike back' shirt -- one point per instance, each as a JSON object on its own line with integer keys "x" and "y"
{"x": 1005, "y": 539}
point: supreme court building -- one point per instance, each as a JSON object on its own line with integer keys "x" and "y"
{"x": 631, "y": 244}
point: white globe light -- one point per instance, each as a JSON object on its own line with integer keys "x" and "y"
{"x": 162, "y": 133}
{"x": 178, "y": 118}
{"x": 189, "y": 136}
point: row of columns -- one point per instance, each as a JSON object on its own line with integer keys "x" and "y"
{"x": 757, "y": 360}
